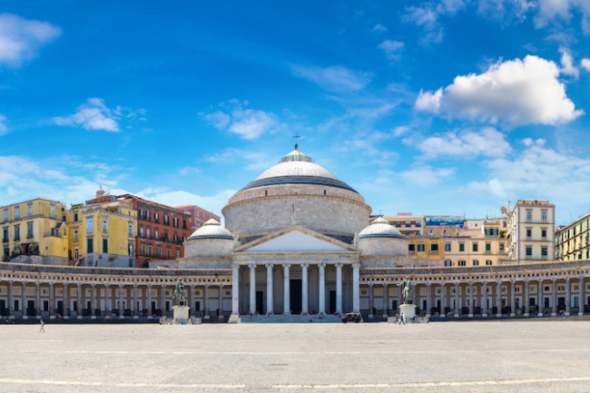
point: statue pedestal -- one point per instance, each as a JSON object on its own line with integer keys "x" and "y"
{"x": 180, "y": 315}
{"x": 408, "y": 310}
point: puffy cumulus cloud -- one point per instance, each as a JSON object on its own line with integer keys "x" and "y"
{"x": 94, "y": 115}
{"x": 246, "y": 123}
{"x": 514, "y": 92}
{"x": 487, "y": 142}
{"x": 551, "y": 10}
{"x": 426, "y": 175}
{"x": 493, "y": 187}
{"x": 585, "y": 63}
{"x": 391, "y": 49}
{"x": 335, "y": 78}
{"x": 567, "y": 63}
{"x": 20, "y": 39}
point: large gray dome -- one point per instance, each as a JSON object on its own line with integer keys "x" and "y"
{"x": 380, "y": 229}
{"x": 211, "y": 230}
{"x": 297, "y": 168}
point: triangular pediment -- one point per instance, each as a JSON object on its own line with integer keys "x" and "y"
{"x": 296, "y": 239}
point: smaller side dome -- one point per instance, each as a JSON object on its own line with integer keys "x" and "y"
{"x": 212, "y": 229}
{"x": 100, "y": 192}
{"x": 380, "y": 229}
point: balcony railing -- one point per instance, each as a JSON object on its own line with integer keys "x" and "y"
{"x": 412, "y": 252}
{"x": 434, "y": 251}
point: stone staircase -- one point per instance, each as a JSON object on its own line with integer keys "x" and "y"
{"x": 289, "y": 319}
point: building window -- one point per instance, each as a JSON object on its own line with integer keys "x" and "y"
{"x": 462, "y": 263}
{"x": 461, "y": 247}
{"x": 175, "y": 222}
{"x": 543, "y": 233}
{"x": 408, "y": 233}
{"x": 184, "y": 224}
{"x": 177, "y": 253}
{"x": 434, "y": 248}
{"x": 52, "y": 211}
{"x": 544, "y": 251}
{"x": 17, "y": 232}
{"x": 76, "y": 253}
{"x": 143, "y": 249}
{"x": 448, "y": 247}
{"x": 488, "y": 263}
{"x": 529, "y": 215}
{"x": 105, "y": 225}
{"x": 5, "y": 234}
{"x": 412, "y": 248}
{"x": 89, "y": 245}
{"x": 418, "y": 233}
{"x": 105, "y": 245}
{"x": 76, "y": 235}
{"x": 159, "y": 252}
{"x": 89, "y": 225}
{"x": 488, "y": 247}
{"x": 75, "y": 217}
{"x": 29, "y": 230}
{"x": 5, "y": 214}
{"x": 544, "y": 216}
{"x": 156, "y": 217}
{"x": 30, "y": 209}
{"x": 529, "y": 251}
{"x": 448, "y": 263}
{"x": 150, "y": 250}
{"x": 147, "y": 233}
{"x": 475, "y": 262}
{"x": 529, "y": 232}
{"x": 474, "y": 247}
{"x": 166, "y": 220}
{"x": 501, "y": 247}
{"x": 157, "y": 234}
{"x": 420, "y": 247}
{"x": 169, "y": 253}
{"x": 16, "y": 212}
{"x": 130, "y": 248}
{"x": 130, "y": 230}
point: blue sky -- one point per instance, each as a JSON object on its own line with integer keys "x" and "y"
{"x": 448, "y": 107}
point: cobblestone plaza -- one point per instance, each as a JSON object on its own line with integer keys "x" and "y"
{"x": 523, "y": 356}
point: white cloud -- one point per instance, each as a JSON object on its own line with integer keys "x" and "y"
{"x": 567, "y": 63}
{"x": 514, "y": 92}
{"x": 399, "y": 131}
{"x": 94, "y": 115}
{"x": 213, "y": 203}
{"x": 427, "y": 15}
{"x": 466, "y": 144}
{"x": 188, "y": 169}
{"x": 426, "y": 176}
{"x": 380, "y": 28}
{"x": 3, "y": 127}
{"x": 20, "y": 38}
{"x": 550, "y": 10}
{"x": 246, "y": 123}
{"x": 506, "y": 9}
{"x": 335, "y": 78}
{"x": 391, "y": 49}
{"x": 493, "y": 187}
{"x": 585, "y": 63}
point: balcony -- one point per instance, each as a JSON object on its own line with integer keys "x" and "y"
{"x": 16, "y": 238}
{"x": 434, "y": 252}
{"x": 412, "y": 252}
{"x": 487, "y": 252}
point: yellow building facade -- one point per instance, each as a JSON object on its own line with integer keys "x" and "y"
{"x": 34, "y": 231}
{"x": 572, "y": 241}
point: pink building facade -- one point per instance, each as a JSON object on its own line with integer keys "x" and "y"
{"x": 198, "y": 215}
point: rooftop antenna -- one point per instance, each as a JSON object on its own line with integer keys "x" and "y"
{"x": 296, "y": 137}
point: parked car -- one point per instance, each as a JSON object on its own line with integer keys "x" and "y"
{"x": 351, "y": 317}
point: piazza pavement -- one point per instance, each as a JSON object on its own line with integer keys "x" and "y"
{"x": 502, "y": 356}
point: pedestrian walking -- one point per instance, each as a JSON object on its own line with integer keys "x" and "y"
{"x": 42, "y": 327}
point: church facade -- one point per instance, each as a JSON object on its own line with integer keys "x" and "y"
{"x": 297, "y": 240}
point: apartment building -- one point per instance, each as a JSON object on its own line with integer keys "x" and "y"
{"x": 199, "y": 216}
{"x": 34, "y": 231}
{"x": 531, "y": 232}
{"x": 572, "y": 241}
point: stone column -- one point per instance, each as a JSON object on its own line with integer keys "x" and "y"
{"x": 339, "y": 288}
{"x": 191, "y": 299}
{"x": 370, "y": 299}
{"x": 471, "y": 299}
{"x": 269, "y": 290}
{"x": 286, "y": 291}
{"x": 107, "y": 301}
{"x": 385, "y": 300}
{"x": 10, "y": 300}
{"x": 235, "y": 289}
{"x": 499, "y": 299}
{"x": 92, "y": 300}
{"x": 322, "y": 288}
{"x": 79, "y": 300}
{"x": 51, "y": 301}
{"x": 527, "y": 299}
{"x": 443, "y": 300}
{"x": 356, "y": 295}
{"x": 512, "y": 298}
{"x": 150, "y": 312}
{"x": 163, "y": 299}
{"x": 37, "y": 301}
{"x": 252, "y": 288}
{"x": 457, "y": 299}
{"x": 582, "y": 296}
{"x": 206, "y": 302}
{"x": 554, "y": 298}
{"x": 540, "y": 300}
{"x": 428, "y": 299}
{"x": 568, "y": 296}
{"x": 484, "y": 308}
{"x": 24, "y": 299}
{"x": 121, "y": 306}
{"x": 65, "y": 300}
{"x": 304, "y": 290}
{"x": 220, "y": 300}
{"x": 134, "y": 302}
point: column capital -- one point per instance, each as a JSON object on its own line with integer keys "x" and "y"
{"x": 221, "y": 285}
{"x": 135, "y": 285}
{"x": 553, "y": 279}
{"x": 321, "y": 265}
{"x": 370, "y": 283}
{"x": 252, "y": 265}
{"x": 235, "y": 265}
{"x": 567, "y": 279}
{"x": 305, "y": 265}
{"x": 79, "y": 284}
{"x": 121, "y": 285}
{"x": 386, "y": 283}
{"x": 269, "y": 265}
{"x": 286, "y": 265}
{"x": 356, "y": 265}
{"x": 339, "y": 265}
{"x": 37, "y": 283}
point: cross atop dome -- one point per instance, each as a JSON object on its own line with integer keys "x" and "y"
{"x": 296, "y": 136}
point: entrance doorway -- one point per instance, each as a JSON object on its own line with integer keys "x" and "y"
{"x": 31, "y": 308}
{"x": 332, "y": 309}
{"x": 60, "y": 307}
{"x": 2, "y": 307}
{"x": 295, "y": 296}
{"x": 260, "y": 302}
